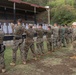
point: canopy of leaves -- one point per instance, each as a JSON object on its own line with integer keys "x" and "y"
{"x": 62, "y": 11}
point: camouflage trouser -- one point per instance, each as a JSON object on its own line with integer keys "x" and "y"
{"x": 49, "y": 45}
{"x": 74, "y": 45}
{"x": 29, "y": 44}
{"x": 67, "y": 39}
{"x": 70, "y": 38}
{"x": 55, "y": 41}
{"x": 62, "y": 40}
{"x": 18, "y": 44}
{"x": 74, "y": 38}
{"x": 39, "y": 45}
{"x": 74, "y": 42}
{"x": 2, "y": 62}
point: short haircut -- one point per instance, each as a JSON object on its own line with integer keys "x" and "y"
{"x": 19, "y": 20}
{"x": 49, "y": 27}
{"x": 40, "y": 25}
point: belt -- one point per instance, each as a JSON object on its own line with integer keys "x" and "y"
{"x": 17, "y": 38}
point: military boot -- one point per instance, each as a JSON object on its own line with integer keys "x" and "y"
{"x": 12, "y": 64}
{"x": 3, "y": 70}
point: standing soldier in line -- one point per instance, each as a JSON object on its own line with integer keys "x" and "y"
{"x": 62, "y": 35}
{"x": 17, "y": 41}
{"x": 29, "y": 42}
{"x": 49, "y": 40}
{"x": 70, "y": 34}
{"x": 2, "y": 48}
{"x": 66, "y": 34}
{"x": 39, "y": 43}
{"x": 74, "y": 35}
{"x": 56, "y": 35}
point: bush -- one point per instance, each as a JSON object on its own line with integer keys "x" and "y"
{"x": 63, "y": 14}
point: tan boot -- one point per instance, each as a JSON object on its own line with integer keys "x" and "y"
{"x": 12, "y": 64}
{"x": 3, "y": 70}
{"x": 24, "y": 63}
{"x": 34, "y": 58}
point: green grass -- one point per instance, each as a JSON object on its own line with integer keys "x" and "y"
{"x": 8, "y": 56}
{"x": 24, "y": 68}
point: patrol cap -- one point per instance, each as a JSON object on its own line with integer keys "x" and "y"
{"x": 74, "y": 23}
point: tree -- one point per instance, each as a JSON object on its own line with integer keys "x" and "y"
{"x": 63, "y": 14}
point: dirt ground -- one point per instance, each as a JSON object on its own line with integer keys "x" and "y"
{"x": 60, "y": 62}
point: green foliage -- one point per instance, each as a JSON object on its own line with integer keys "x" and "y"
{"x": 62, "y": 11}
{"x": 63, "y": 14}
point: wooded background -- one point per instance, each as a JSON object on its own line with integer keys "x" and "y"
{"x": 62, "y": 11}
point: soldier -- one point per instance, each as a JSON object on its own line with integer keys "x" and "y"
{"x": 74, "y": 35}
{"x": 62, "y": 35}
{"x": 70, "y": 34}
{"x": 2, "y": 48}
{"x": 29, "y": 42}
{"x": 17, "y": 41}
{"x": 55, "y": 34}
{"x": 66, "y": 34}
{"x": 49, "y": 40}
{"x": 39, "y": 43}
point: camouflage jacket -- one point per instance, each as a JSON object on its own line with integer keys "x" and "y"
{"x": 1, "y": 36}
{"x": 48, "y": 33}
{"x": 1, "y": 41}
{"x": 19, "y": 30}
{"x": 56, "y": 31}
{"x": 29, "y": 33}
{"x": 40, "y": 32}
{"x": 62, "y": 32}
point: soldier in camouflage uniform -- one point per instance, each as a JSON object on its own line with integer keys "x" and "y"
{"x": 62, "y": 35}
{"x": 70, "y": 31}
{"x": 2, "y": 48}
{"x": 18, "y": 41}
{"x": 56, "y": 35}
{"x": 29, "y": 41}
{"x": 49, "y": 40}
{"x": 74, "y": 35}
{"x": 66, "y": 34}
{"x": 40, "y": 32}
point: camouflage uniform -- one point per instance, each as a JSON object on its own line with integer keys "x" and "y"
{"x": 74, "y": 38}
{"x": 70, "y": 33}
{"x": 49, "y": 40}
{"x": 29, "y": 42}
{"x": 2, "y": 62}
{"x": 39, "y": 43}
{"x": 18, "y": 42}
{"x": 66, "y": 35}
{"x": 56, "y": 36}
{"x": 62, "y": 35}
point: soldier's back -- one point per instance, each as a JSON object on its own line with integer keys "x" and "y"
{"x": 29, "y": 33}
{"x": 40, "y": 33}
{"x": 49, "y": 33}
{"x": 55, "y": 31}
{"x": 19, "y": 30}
